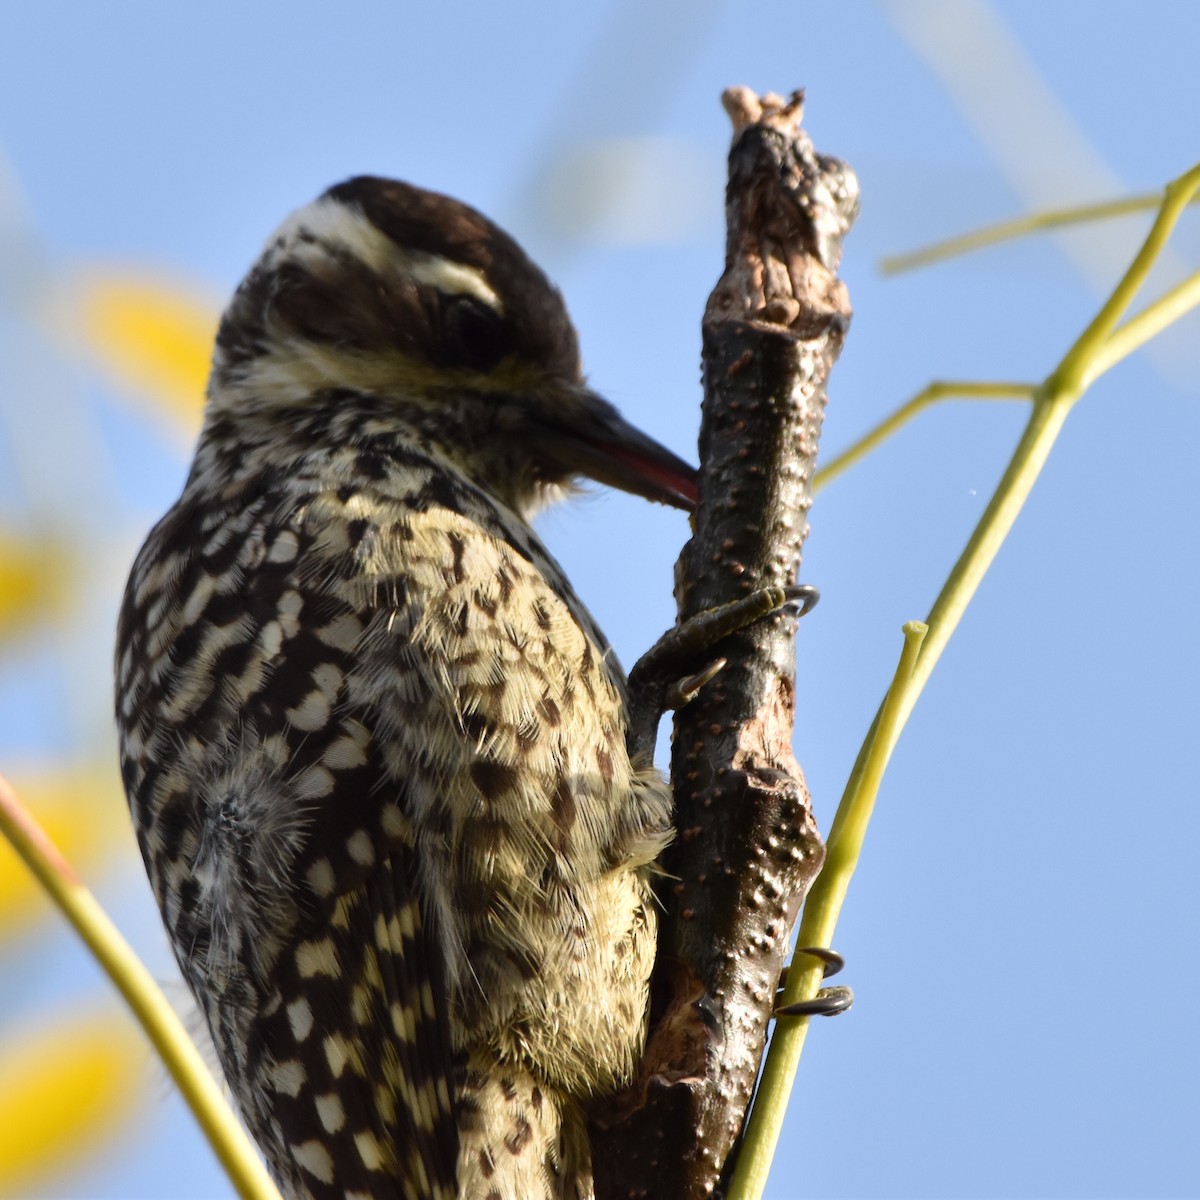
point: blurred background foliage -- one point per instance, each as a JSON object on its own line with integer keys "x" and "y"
{"x": 73, "y": 1077}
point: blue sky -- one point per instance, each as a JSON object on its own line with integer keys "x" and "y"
{"x": 1021, "y": 935}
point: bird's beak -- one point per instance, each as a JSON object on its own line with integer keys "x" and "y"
{"x": 593, "y": 439}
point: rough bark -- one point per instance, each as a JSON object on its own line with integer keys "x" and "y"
{"x": 747, "y": 848}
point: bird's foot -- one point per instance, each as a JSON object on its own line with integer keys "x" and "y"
{"x": 660, "y": 682}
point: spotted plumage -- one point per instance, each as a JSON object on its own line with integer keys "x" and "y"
{"x": 374, "y": 746}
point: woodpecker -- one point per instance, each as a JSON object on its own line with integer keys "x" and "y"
{"x": 375, "y": 748}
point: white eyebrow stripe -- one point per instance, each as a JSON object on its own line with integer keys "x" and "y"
{"x": 452, "y": 278}
{"x": 334, "y": 223}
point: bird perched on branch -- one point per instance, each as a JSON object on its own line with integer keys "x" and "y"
{"x": 374, "y": 745}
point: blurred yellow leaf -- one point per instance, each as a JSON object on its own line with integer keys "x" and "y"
{"x": 32, "y": 573}
{"x": 65, "y": 1088}
{"x": 83, "y": 811}
{"x": 155, "y": 336}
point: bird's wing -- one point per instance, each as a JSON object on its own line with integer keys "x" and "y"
{"x": 277, "y": 840}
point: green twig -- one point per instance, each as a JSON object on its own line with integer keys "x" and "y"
{"x": 1151, "y": 321}
{"x": 942, "y": 390}
{"x": 1002, "y": 231}
{"x": 1078, "y": 365}
{"x": 820, "y": 916}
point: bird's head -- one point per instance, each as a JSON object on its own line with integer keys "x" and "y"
{"x": 382, "y": 289}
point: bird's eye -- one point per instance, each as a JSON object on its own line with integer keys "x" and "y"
{"x": 475, "y": 336}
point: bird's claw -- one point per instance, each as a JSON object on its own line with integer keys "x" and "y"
{"x": 828, "y": 1002}
{"x": 685, "y": 690}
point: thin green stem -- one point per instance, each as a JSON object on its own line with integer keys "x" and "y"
{"x": 935, "y": 392}
{"x": 924, "y": 643}
{"x": 1137, "y": 331}
{"x": 1074, "y": 368}
{"x": 237, "y": 1155}
{"x": 1045, "y": 422}
{"x": 824, "y": 903}
{"x": 1002, "y": 231}
{"x": 841, "y": 856}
